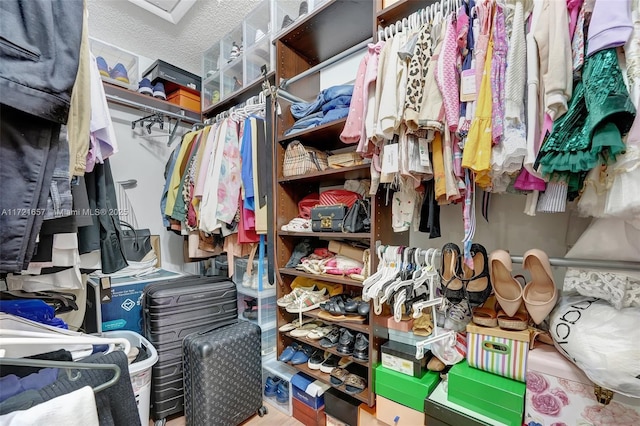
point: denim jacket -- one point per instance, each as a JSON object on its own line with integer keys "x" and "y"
{"x": 39, "y": 53}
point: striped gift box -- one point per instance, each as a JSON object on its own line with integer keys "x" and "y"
{"x": 498, "y": 351}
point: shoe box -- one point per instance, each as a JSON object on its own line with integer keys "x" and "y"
{"x": 439, "y": 411}
{"x": 559, "y": 392}
{"x": 392, "y": 413}
{"x": 401, "y": 357}
{"x": 342, "y": 407}
{"x": 407, "y": 390}
{"x": 185, "y": 99}
{"x": 499, "y": 398}
{"x": 498, "y": 351}
{"x": 173, "y": 78}
{"x": 307, "y": 415}
{"x": 308, "y": 390}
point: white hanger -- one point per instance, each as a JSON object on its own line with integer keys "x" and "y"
{"x": 373, "y": 278}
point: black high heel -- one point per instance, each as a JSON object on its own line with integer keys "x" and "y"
{"x": 450, "y": 272}
{"x": 479, "y": 286}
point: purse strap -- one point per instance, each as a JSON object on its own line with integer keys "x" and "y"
{"x": 135, "y": 233}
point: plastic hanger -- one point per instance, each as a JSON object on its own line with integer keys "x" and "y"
{"x": 69, "y": 365}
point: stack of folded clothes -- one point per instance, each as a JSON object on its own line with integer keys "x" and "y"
{"x": 331, "y": 104}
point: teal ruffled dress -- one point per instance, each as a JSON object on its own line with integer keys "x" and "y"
{"x": 590, "y": 133}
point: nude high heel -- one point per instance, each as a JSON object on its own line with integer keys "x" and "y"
{"x": 540, "y": 294}
{"x": 507, "y": 289}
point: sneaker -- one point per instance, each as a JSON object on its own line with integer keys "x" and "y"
{"x": 286, "y": 21}
{"x": 236, "y": 51}
{"x": 316, "y": 360}
{"x": 304, "y": 9}
{"x": 271, "y": 385}
{"x": 457, "y": 316}
{"x": 259, "y": 35}
{"x": 119, "y": 72}
{"x": 307, "y": 301}
{"x": 103, "y": 67}
{"x": 286, "y": 300}
{"x": 145, "y": 87}
{"x": 158, "y": 91}
{"x": 329, "y": 364}
{"x": 282, "y": 392}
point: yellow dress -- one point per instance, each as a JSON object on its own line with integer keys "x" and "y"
{"x": 440, "y": 183}
{"x": 477, "y": 149}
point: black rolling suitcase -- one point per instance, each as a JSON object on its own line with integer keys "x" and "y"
{"x": 172, "y": 310}
{"x": 223, "y": 375}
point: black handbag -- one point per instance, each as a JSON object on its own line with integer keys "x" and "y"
{"x": 358, "y": 218}
{"x": 328, "y": 218}
{"x": 135, "y": 243}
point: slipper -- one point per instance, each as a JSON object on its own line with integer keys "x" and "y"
{"x": 331, "y": 339}
{"x": 294, "y": 324}
{"x": 304, "y": 330}
{"x": 520, "y": 321}
{"x": 423, "y": 325}
{"x": 354, "y": 384}
{"x": 487, "y": 314}
{"x": 320, "y": 332}
{"x": 338, "y": 375}
{"x": 330, "y": 317}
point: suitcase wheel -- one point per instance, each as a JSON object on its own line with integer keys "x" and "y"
{"x": 262, "y": 411}
{"x": 160, "y": 422}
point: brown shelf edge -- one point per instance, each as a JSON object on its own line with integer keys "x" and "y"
{"x": 236, "y": 97}
{"x": 325, "y": 173}
{"x": 330, "y": 350}
{"x": 328, "y": 278}
{"x": 329, "y": 235}
{"x": 324, "y": 377}
{"x": 400, "y": 9}
{"x": 310, "y": 132}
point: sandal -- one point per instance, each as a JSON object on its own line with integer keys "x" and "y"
{"x": 331, "y": 339}
{"x": 423, "y": 325}
{"x": 320, "y": 332}
{"x": 487, "y": 314}
{"x": 304, "y": 330}
{"x": 479, "y": 286}
{"x": 294, "y": 324}
{"x": 338, "y": 376}
{"x": 520, "y": 321}
{"x": 330, "y": 317}
{"x": 450, "y": 271}
{"x": 354, "y": 384}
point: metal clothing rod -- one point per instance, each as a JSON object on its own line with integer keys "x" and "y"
{"x": 143, "y": 107}
{"x": 588, "y": 263}
{"x": 326, "y": 63}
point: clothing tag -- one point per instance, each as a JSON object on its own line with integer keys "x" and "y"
{"x": 468, "y": 85}
{"x": 390, "y": 155}
{"x": 423, "y": 145}
{"x": 105, "y": 290}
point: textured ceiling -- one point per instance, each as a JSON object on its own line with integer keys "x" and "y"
{"x": 132, "y": 28}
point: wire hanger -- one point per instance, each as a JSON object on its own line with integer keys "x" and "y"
{"x": 69, "y": 365}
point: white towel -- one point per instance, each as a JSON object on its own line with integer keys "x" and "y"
{"x": 75, "y": 408}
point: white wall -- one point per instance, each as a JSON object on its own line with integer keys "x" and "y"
{"x": 143, "y": 157}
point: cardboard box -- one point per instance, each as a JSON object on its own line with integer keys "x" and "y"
{"x": 367, "y": 415}
{"x": 309, "y": 390}
{"x": 347, "y": 250}
{"x": 408, "y": 390}
{"x": 494, "y": 396}
{"x": 185, "y": 99}
{"x": 406, "y": 337}
{"x": 559, "y": 392}
{"x": 402, "y": 358}
{"x": 395, "y": 414}
{"x": 442, "y": 412}
{"x": 173, "y": 77}
{"x": 124, "y": 310}
{"x": 341, "y": 406}
{"x": 332, "y": 421}
{"x": 405, "y": 326}
{"x": 307, "y": 415}
{"x": 498, "y": 351}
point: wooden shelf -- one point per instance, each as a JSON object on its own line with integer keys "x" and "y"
{"x": 121, "y": 96}
{"x": 316, "y": 344}
{"x": 319, "y": 134}
{"x": 237, "y": 97}
{"x": 326, "y": 378}
{"x": 351, "y": 325}
{"x": 324, "y": 277}
{"x": 328, "y": 235}
{"x": 360, "y": 171}
{"x": 400, "y": 9}
{"x": 322, "y": 34}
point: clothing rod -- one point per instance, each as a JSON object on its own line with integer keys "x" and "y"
{"x": 588, "y": 263}
{"x": 326, "y": 63}
{"x": 143, "y": 107}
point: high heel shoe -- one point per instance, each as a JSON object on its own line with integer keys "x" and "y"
{"x": 507, "y": 290}
{"x": 540, "y": 294}
{"x": 479, "y": 286}
{"x": 450, "y": 271}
